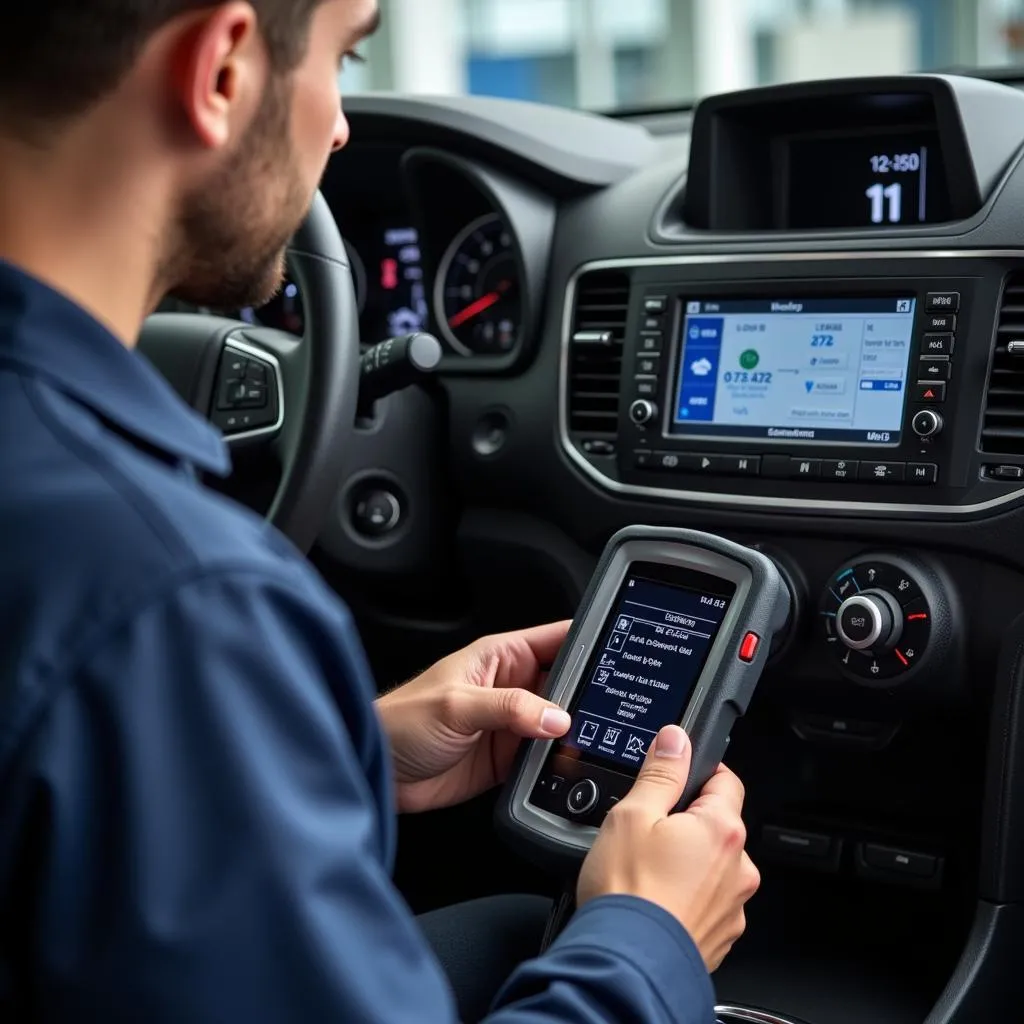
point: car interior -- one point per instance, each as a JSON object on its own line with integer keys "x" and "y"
{"x": 791, "y": 316}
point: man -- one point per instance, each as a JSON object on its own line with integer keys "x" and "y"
{"x": 196, "y": 794}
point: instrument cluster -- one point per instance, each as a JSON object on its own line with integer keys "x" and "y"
{"x": 474, "y": 303}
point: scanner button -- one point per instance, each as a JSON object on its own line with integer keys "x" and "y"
{"x": 583, "y": 796}
{"x": 749, "y": 646}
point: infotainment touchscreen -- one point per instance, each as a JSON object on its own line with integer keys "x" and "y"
{"x": 804, "y": 370}
{"x": 651, "y": 653}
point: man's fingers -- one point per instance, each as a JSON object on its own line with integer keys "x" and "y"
{"x": 723, "y": 787}
{"x": 663, "y": 776}
{"x": 519, "y": 711}
{"x": 523, "y": 655}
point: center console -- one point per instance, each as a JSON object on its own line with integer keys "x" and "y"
{"x": 856, "y": 382}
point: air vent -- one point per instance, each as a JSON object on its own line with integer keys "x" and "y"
{"x": 595, "y": 355}
{"x": 1002, "y": 432}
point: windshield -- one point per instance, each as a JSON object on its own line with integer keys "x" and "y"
{"x": 627, "y": 54}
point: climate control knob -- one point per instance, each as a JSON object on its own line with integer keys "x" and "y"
{"x": 883, "y": 616}
{"x": 926, "y": 423}
{"x": 642, "y": 412}
{"x": 869, "y": 621}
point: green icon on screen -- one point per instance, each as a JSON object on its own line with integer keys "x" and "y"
{"x": 749, "y": 359}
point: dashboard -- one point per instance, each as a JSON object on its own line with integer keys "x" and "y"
{"x": 794, "y": 318}
{"x": 460, "y": 278}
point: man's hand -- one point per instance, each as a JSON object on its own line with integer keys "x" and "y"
{"x": 454, "y": 730}
{"x": 691, "y": 863}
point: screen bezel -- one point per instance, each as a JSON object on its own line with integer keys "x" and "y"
{"x": 682, "y": 578}
{"x": 674, "y": 382}
{"x": 591, "y": 619}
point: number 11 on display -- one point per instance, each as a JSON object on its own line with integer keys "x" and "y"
{"x": 882, "y": 196}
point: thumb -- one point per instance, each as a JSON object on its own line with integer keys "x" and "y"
{"x": 663, "y": 776}
{"x": 510, "y": 710}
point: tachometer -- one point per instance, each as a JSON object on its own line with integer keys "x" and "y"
{"x": 477, "y": 298}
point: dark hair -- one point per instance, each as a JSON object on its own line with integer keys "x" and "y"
{"x": 58, "y": 57}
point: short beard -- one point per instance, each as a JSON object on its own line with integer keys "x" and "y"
{"x": 233, "y": 230}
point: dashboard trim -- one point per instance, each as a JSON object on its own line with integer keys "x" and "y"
{"x": 246, "y": 349}
{"x": 744, "y": 501}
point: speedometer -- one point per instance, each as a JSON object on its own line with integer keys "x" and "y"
{"x": 477, "y": 297}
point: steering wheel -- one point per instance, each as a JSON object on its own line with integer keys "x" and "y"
{"x": 263, "y": 386}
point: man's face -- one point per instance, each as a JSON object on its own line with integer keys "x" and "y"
{"x": 235, "y": 226}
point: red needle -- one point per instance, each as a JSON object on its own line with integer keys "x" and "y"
{"x": 474, "y": 309}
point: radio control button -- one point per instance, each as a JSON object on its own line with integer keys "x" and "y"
{"x": 655, "y": 304}
{"x": 651, "y": 341}
{"x": 934, "y": 368}
{"x": 726, "y": 465}
{"x": 942, "y": 302}
{"x": 940, "y": 322}
{"x": 642, "y": 411}
{"x": 922, "y": 473}
{"x": 928, "y": 394}
{"x": 804, "y": 469}
{"x": 583, "y": 796}
{"x": 652, "y": 323}
{"x": 648, "y": 365}
{"x": 883, "y": 472}
{"x": 647, "y": 387}
{"x": 937, "y": 345}
{"x": 839, "y": 469}
{"x": 738, "y": 465}
{"x": 926, "y": 423}
{"x": 674, "y": 462}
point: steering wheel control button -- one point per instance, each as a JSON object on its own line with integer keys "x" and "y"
{"x": 232, "y": 394}
{"x": 583, "y": 796}
{"x": 246, "y": 397}
{"x": 926, "y": 423}
{"x": 642, "y": 412}
{"x": 749, "y": 646}
{"x": 254, "y": 397}
{"x": 376, "y": 512}
{"x": 942, "y": 302}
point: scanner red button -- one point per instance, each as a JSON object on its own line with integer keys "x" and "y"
{"x": 748, "y": 649}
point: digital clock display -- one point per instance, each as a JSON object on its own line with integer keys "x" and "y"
{"x": 895, "y": 179}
